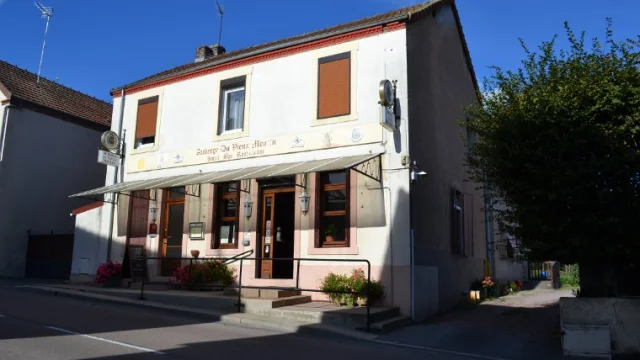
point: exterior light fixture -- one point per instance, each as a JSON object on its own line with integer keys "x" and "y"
{"x": 248, "y": 206}
{"x": 304, "y": 202}
{"x": 154, "y": 211}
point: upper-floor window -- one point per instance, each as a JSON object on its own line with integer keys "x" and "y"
{"x": 333, "y": 209}
{"x": 232, "y": 99}
{"x": 461, "y": 223}
{"x": 225, "y": 220}
{"x": 457, "y": 222}
{"x": 334, "y": 85}
{"x": 146, "y": 121}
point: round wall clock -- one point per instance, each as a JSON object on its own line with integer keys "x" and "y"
{"x": 386, "y": 93}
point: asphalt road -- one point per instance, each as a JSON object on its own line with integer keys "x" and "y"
{"x": 35, "y": 326}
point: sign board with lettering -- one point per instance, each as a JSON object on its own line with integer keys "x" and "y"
{"x": 388, "y": 118}
{"x": 230, "y": 150}
{"x": 137, "y": 264}
{"x": 108, "y": 158}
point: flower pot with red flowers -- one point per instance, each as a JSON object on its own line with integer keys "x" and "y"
{"x": 109, "y": 274}
{"x": 487, "y": 285}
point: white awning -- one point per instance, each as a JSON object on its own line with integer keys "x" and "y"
{"x": 254, "y": 172}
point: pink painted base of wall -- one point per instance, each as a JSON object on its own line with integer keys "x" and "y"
{"x": 395, "y": 279}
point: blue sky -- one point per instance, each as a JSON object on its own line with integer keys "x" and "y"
{"x": 96, "y": 45}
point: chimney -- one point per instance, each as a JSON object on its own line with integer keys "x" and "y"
{"x": 205, "y": 52}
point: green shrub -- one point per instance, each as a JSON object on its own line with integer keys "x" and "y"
{"x": 570, "y": 276}
{"x": 351, "y": 288}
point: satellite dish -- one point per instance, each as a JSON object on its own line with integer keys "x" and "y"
{"x": 110, "y": 140}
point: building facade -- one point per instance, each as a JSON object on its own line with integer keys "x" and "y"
{"x": 48, "y": 136}
{"x": 285, "y": 149}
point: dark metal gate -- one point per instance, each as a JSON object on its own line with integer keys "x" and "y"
{"x": 539, "y": 270}
{"x": 49, "y": 256}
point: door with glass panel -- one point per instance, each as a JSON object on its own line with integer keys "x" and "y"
{"x": 173, "y": 229}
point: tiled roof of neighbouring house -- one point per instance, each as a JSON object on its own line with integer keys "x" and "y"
{"x": 395, "y": 15}
{"x": 22, "y": 85}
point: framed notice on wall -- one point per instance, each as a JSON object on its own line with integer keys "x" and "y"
{"x": 137, "y": 262}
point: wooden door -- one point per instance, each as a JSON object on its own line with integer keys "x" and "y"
{"x": 172, "y": 234}
{"x": 268, "y": 206}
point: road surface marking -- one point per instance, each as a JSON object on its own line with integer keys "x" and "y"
{"x": 426, "y": 348}
{"x": 106, "y": 340}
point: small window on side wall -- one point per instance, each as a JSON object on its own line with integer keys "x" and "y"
{"x": 457, "y": 223}
{"x": 146, "y": 121}
{"x": 333, "y": 209}
{"x": 225, "y": 224}
{"x": 232, "y": 103}
{"x": 334, "y": 86}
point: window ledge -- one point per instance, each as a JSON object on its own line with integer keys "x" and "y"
{"x": 232, "y": 134}
{"x": 334, "y": 120}
{"x": 353, "y": 250}
{"x": 222, "y": 252}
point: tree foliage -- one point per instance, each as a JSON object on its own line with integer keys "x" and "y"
{"x": 557, "y": 141}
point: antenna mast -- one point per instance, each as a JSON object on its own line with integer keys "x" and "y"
{"x": 221, "y": 12}
{"x": 47, "y": 12}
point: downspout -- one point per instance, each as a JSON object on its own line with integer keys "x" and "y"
{"x": 488, "y": 226}
{"x": 3, "y": 132}
{"x": 115, "y": 179}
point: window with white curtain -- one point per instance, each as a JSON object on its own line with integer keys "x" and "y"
{"x": 232, "y": 95}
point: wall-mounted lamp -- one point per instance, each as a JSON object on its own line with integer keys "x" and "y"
{"x": 304, "y": 202}
{"x": 248, "y": 206}
{"x": 154, "y": 211}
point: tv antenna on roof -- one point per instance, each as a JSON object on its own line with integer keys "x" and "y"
{"x": 47, "y": 12}
{"x": 221, "y": 12}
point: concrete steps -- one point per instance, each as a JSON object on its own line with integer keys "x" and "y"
{"x": 382, "y": 319}
{"x": 389, "y": 325}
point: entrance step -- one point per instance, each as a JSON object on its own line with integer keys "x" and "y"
{"x": 261, "y": 305}
{"x": 327, "y": 313}
{"x": 263, "y": 293}
{"x": 386, "y": 326}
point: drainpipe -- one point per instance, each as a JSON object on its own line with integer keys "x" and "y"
{"x": 488, "y": 226}
{"x": 115, "y": 179}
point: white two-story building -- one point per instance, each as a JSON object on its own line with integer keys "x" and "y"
{"x": 287, "y": 149}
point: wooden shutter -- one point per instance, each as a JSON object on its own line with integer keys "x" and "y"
{"x": 139, "y": 220}
{"x": 334, "y": 86}
{"x": 147, "y": 117}
{"x": 468, "y": 224}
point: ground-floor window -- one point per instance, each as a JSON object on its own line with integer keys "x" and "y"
{"x": 332, "y": 203}
{"x": 225, "y": 219}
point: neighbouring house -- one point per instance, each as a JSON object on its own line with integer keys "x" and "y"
{"x": 299, "y": 148}
{"x": 49, "y": 135}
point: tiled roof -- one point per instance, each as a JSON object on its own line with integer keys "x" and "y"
{"x": 390, "y": 16}
{"x": 22, "y": 85}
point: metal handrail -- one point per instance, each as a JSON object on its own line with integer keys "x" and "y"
{"x": 367, "y": 292}
{"x": 235, "y": 258}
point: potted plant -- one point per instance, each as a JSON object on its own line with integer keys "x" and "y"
{"x": 329, "y": 233}
{"x": 109, "y": 274}
{"x": 332, "y": 283}
{"x": 487, "y": 285}
{"x": 195, "y": 253}
{"x": 205, "y": 274}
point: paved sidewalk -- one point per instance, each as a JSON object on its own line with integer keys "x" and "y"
{"x": 522, "y": 326}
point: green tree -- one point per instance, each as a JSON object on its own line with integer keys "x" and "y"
{"x": 557, "y": 142}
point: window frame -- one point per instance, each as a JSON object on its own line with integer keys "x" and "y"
{"x": 458, "y": 241}
{"x": 218, "y": 207}
{"x": 327, "y": 59}
{"x": 138, "y": 143}
{"x": 227, "y": 85}
{"x": 320, "y": 213}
